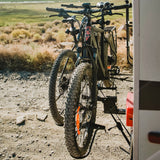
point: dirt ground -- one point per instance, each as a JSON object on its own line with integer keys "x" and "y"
{"x": 25, "y": 95}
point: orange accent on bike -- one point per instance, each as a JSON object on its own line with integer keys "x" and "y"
{"x": 78, "y": 121}
{"x": 109, "y": 67}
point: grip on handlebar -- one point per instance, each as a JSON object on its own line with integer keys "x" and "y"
{"x": 122, "y": 6}
{"x": 71, "y": 6}
{"x": 64, "y": 13}
{"x": 121, "y": 14}
{"x": 54, "y": 15}
{"x": 55, "y": 9}
{"x": 61, "y": 11}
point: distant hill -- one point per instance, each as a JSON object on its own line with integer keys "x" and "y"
{"x": 25, "y": 0}
{"x": 22, "y": 0}
{"x": 37, "y": 0}
{"x": 42, "y": 1}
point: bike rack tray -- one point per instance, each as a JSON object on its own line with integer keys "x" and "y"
{"x": 110, "y": 106}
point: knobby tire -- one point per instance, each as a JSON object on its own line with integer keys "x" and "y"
{"x": 59, "y": 119}
{"x": 73, "y": 106}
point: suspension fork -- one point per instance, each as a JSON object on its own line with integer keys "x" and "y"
{"x": 127, "y": 33}
{"x": 102, "y": 38}
{"x": 94, "y": 76}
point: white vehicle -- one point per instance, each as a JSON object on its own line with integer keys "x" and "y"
{"x": 146, "y": 79}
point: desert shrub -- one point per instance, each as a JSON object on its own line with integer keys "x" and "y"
{"x": 25, "y": 57}
{"x": 42, "y": 30}
{"x": 55, "y": 29}
{"x": 4, "y": 38}
{"x": 122, "y": 55}
{"x": 20, "y": 33}
{"x": 66, "y": 25}
{"x": 122, "y": 31}
{"x": 57, "y": 22}
{"x": 7, "y": 30}
{"x": 36, "y": 29}
{"x": 37, "y": 37}
{"x": 69, "y": 38}
{"x": 61, "y": 36}
{"x": 41, "y": 24}
{"x": 48, "y": 37}
{"x": 13, "y": 57}
{"x": 21, "y": 26}
{"x": 122, "y": 34}
{"x": 48, "y": 25}
{"x": 42, "y": 60}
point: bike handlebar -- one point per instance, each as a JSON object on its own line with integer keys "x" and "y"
{"x": 69, "y": 11}
{"x": 121, "y": 7}
{"x": 63, "y": 12}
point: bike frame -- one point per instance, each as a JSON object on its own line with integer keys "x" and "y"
{"x": 95, "y": 46}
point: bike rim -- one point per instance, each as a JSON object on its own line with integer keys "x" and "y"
{"x": 63, "y": 77}
{"x": 83, "y": 115}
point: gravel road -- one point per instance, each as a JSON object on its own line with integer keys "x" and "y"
{"x": 24, "y": 100}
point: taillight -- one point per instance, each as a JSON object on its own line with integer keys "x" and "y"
{"x": 129, "y": 109}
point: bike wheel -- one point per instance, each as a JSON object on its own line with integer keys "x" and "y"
{"x": 80, "y": 113}
{"x": 58, "y": 85}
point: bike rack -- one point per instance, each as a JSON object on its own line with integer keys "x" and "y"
{"x": 110, "y": 107}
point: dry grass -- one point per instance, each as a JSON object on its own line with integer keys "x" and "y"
{"x": 61, "y": 36}
{"x": 121, "y": 34}
{"x": 49, "y": 36}
{"x": 122, "y": 54}
{"x": 7, "y": 30}
{"x": 20, "y": 33}
{"x": 27, "y": 35}
{"x": 37, "y": 37}
{"x": 30, "y": 47}
{"x": 4, "y": 38}
{"x": 21, "y": 26}
{"x": 26, "y": 57}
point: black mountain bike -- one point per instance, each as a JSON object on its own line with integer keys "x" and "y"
{"x": 91, "y": 61}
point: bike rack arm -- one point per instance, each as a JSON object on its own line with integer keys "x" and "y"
{"x": 126, "y": 6}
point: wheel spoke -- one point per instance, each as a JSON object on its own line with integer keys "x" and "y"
{"x": 62, "y": 112}
{"x": 64, "y": 68}
{"x": 59, "y": 97}
{"x": 83, "y": 88}
{"x": 59, "y": 80}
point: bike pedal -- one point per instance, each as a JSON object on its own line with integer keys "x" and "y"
{"x": 98, "y": 126}
{"x": 112, "y": 128}
{"x": 106, "y": 88}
